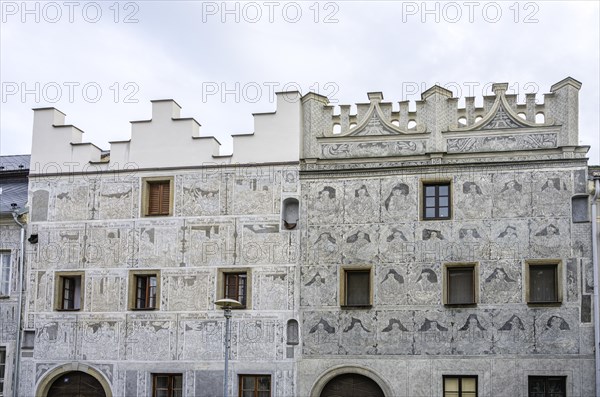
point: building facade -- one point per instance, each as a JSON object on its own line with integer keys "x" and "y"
{"x": 386, "y": 252}
{"x": 13, "y": 199}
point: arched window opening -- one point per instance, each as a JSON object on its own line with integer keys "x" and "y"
{"x": 290, "y": 213}
{"x": 292, "y": 332}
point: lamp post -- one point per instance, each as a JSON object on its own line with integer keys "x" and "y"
{"x": 226, "y": 304}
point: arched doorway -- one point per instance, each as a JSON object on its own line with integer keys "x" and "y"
{"x": 76, "y": 384}
{"x": 351, "y": 385}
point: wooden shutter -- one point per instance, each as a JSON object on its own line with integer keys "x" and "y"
{"x": 159, "y": 195}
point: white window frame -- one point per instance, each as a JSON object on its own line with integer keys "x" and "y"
{"x": 5, "y": 281}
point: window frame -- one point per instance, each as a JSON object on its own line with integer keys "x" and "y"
{"x": 59, "y": 293}
{"x": 170, "y": 387}
{"x": 255, "y": 376}
{"x": 134, "y": 275}
{"x": 558, "y": 281}
{"x": 241, "y": 297}
{"x": 423, "y": 201}
{"x": 221, "y": 285}
{"x": 448, "y": 268}
{"x": 546, "y": 378}
{"x": 344, "y": 271}
{"x": 146, "y": 187}
{"x": 460, "y": 378}
{"x": 5, "y": 287}
{"x": 2, "y": 369}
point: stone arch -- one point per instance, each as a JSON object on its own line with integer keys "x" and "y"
{"x": 332, "y": 373}
{"x": 48, "y": 379}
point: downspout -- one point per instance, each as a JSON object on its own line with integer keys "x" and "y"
{"x": 18, "y": 339}
{"x": 596, "y": 286}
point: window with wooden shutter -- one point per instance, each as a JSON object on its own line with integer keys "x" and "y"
{"x": 159, "y": 195}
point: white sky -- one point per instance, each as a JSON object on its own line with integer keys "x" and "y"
{"x": 212, "y": 64}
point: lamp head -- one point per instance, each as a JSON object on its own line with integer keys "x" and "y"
{"x": 227, "y": 303}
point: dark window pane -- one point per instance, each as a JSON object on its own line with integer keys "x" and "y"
{"x": 542, "y": 283}
{"x": 460, "y": 286}
{"x": 177, "y": 380}
{"x": 358, "y": 288}
{"x": 547, "y": 386}
{"x": 436, "y": 202}
{"x": 162, "y": 382}
{"x": 248, "y": 382}
{"x": 579, "y": 209}
{"x": 264, "y": 383}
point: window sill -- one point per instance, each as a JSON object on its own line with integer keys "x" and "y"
{"x": 68, "y": 310}
{"x": 4, "y": 296}
{"x": 356, "y": 307}
{"x": 550, "y": 304}
{"x": 472, "y": 304}
{"x": 142, "y": 309}
{"x": 156, "y": 215}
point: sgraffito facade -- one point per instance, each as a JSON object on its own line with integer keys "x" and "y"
{"x": 406, "y": 249}
{"x": 511, "y": 183}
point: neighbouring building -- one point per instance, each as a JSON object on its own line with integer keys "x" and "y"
{"x": 388, "y": 252}
{"x": 13, "y": 199}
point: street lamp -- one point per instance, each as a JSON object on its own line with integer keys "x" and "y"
{"x": 226, "y": 304}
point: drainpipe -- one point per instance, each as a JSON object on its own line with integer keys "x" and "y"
{"x": 18, "y": 339}
{"x": 596, "y": 286}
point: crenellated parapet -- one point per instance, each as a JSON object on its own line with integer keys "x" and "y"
{"x": 308, "y": 128}
{"x": 166, "y": 140}
{"x": 438, "y": 125}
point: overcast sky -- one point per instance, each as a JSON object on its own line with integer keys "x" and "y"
{"x": 102, "y": 62}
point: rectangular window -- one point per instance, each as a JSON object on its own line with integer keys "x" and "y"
{"x": 236, "y": 287}
{"x": 255, "y": 386}
{"x": 5, "y": 275}
{"x": 70, "y": 295}
{"x": 167, "y": 385}
{"x": 579, "y": 209}
{"x": 436, "y": 200}
{"x": 543, "y": 283}
{"x": 460, "y": 285}
{"x": 145, "y": 291}
{"x": 460, "y": 386}
{"x": 547, "y": 386}
{"x": 157, "y": 196}
{"x": 2, "y": 369}
{"x": 356, "y": 287}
